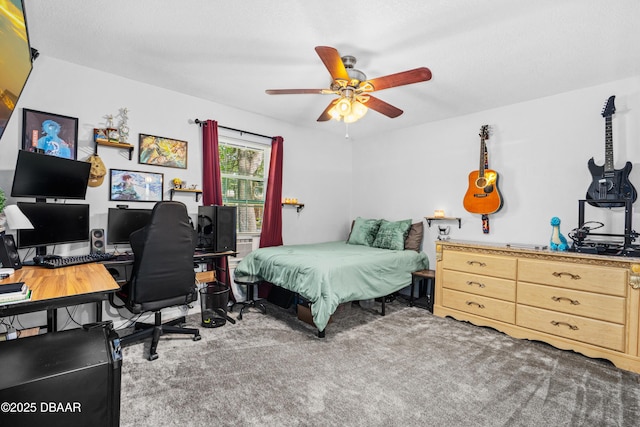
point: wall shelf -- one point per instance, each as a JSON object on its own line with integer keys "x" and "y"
{"x": 298, "y": 206}
{"x": 185, "y": 190}
{"x": 443, "y": 218}
{"x": 116, "y": 145}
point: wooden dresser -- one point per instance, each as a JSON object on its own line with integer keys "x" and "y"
{"x": 586, "y": 303}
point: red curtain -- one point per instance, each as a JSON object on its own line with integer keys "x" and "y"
{"x": 212, "y": 183}
{"x": 271, "y": 234}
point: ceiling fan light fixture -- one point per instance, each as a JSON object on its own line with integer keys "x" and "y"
{"x": 335, "y": 115}
{"x": 358, "y": 110}
{"x": 343, "y": 106}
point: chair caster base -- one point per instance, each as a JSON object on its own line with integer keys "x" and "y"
{"x": 197, "y": 338}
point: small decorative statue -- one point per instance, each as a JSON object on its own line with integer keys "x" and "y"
{"x": 558, "y": 241}
{"x": 123, "y": 128}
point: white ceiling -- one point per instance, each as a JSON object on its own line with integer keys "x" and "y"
{"x": 482, "y": 53}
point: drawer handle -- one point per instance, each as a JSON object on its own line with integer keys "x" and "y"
{"x": 570, "y": 326}
{"x": 481, "y": 264}
{"x": 475, "y": 303}
{"x": 470, "y": 283}
{"x": 572, "y": 276}
{"x": 572, "y": 301}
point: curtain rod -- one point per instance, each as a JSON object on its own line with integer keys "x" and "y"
{"x": 200, "y": 123}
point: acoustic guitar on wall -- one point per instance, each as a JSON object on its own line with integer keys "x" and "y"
{"x": 609, "y": 183}
{"x": 483, "y": 196}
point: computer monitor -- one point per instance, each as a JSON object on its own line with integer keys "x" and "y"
{"x": 49, "y": 177}
{"x": 54, "y": 223}
{"x": 122, "y": 222}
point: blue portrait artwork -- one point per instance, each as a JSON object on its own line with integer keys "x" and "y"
{"x": 50, "y": 143}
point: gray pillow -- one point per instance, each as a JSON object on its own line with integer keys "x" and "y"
{"x": 364, "y": 231}
{"x": 391, "y": 235}
{"x": 413, "y": 241}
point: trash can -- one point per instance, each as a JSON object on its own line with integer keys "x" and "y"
{"x": 213, "y": 303}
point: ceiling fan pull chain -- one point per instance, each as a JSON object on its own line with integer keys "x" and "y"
{"x": 346, "y": 131}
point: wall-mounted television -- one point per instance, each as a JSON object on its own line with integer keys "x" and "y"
{"x": 49, "y": 177}
{"x": 16, "y": 61}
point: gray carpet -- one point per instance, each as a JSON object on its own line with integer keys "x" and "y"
{"x": 408, "y": 368}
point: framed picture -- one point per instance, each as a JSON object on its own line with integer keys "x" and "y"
{"x": 135, "y": 185}
{"x": 159, "y": 151}
{"x": 50, "y": 133}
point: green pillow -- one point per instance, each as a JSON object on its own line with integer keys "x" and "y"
{"x": 364, "y": 231}
{"x": 391, "y": 235}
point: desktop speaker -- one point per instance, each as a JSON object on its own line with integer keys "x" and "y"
{"x": 97, "y": 241}
{"x": 9, "y": 257}
{"x": 216, "y": 228}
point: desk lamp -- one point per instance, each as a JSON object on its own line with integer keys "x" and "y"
{"x": 16, "y": 219}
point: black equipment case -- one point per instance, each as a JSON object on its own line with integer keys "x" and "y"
{"x": 67, "y": 378}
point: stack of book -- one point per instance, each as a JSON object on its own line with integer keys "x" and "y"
{"x": 14, "y": 292}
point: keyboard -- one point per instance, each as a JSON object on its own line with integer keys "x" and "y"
{"x": 66, "y": 261}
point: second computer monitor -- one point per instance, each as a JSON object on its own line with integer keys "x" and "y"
{"x": 54, "y": 223}
{"x": 122, "y": 222}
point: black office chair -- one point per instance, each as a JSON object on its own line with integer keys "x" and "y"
{"x": 163, "y": 274}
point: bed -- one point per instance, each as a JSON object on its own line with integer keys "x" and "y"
{"x": 331, "y": 273}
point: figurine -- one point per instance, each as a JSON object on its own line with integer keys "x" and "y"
{"x": 123, "y": 127}
{"x": 558, "y": 241}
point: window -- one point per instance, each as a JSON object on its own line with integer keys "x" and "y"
{"x": 243, "y": 166}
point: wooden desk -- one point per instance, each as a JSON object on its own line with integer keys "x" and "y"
{"x": 61, "y": 287}
{"x": 121, "y": 270}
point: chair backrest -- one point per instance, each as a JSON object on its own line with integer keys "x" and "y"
{"x": 163, "y": 255}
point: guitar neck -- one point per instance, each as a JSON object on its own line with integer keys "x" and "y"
{"x": 608, "y": 146}
{"x": 483, "y": 157}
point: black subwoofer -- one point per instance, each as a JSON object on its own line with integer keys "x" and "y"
{"x": 61, "y": 379}
{"x": 216, "y": 228}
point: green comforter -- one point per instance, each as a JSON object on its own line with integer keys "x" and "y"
{"x": 328, "y": 274}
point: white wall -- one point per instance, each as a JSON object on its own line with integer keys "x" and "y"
{"x": 540, "y": 149}
{"x": 60, "y": 87}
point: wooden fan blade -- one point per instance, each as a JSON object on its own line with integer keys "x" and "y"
{"x": 383, "y": 107}
{"x": 293, "y": 91}
{"x": 400, "y": 79}
{"x": 331, "y": 59}
{"x": 325, "y": 116}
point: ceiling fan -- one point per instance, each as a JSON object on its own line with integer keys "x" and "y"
{"x": 353, "y": 88}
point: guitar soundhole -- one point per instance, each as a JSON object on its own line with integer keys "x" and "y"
{"x": 483, "y": 183}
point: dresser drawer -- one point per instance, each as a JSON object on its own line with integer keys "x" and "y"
{"x": 596, "y": 306}
{"x": 604, "y": 280}
{"x": 488, "y": 265}
{"x": 578, "y": 328}
{"x": 482, "y": 306}
{"x": 480, "y": 285}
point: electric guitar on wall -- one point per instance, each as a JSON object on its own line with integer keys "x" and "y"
{"x": 483, "y": 196}
{"x": 609, "y": 183}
